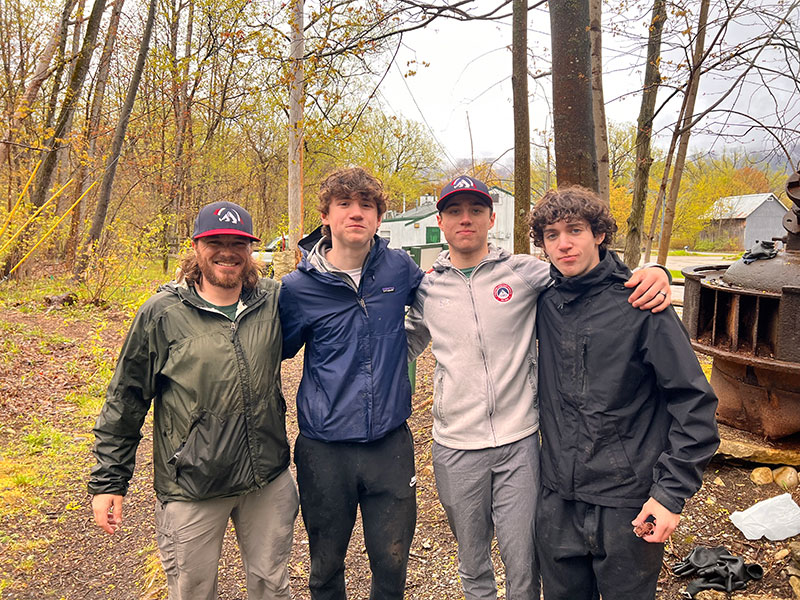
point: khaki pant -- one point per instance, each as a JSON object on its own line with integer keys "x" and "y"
{"x": 190, "y": 535}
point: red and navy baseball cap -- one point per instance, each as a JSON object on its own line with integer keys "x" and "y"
{"x": 464, "y": 184}
{"x": 223, "y": 218}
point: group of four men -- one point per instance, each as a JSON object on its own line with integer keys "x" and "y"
{"x": 627, "y": 415}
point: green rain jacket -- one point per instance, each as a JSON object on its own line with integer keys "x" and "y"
{"x": 219, "y": 413}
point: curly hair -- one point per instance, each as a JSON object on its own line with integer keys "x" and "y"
{"x": 349, "y": 182}
{"x": 190, "y": 271}
{"x": 572, "y": 203}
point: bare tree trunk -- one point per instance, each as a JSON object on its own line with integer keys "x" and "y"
{"x": 116, "y": 144}
{"x": 63, "y": 153}
{"x": 182, "y": 108}
{"x": 598, "y": 100}
{"x": 92, "y": 129}
{"x": 662, "y": 189}
{"x": 45, "y": 173}
{"x": 573, "y": 121}
{"x": 683, "y": 145}
{"x": 644, "y": 132}
{"x": 40, "y": 75}
{"x": 522, "y": 135}
{"x": 296, "y": 115}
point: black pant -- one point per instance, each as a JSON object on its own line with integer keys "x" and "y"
{"x": 586, "y": 550}
{"x": 333, "y": 480}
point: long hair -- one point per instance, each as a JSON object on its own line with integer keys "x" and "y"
{"x": 190, "y": 270}
{"x": 572, "y": 203}
{"x": 346, "y": 183}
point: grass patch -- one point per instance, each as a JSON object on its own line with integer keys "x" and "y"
{"x": 134, "y": 283}
{"x": 88, "y": 403}
{"x": 42, "y": 435}
{"x": 676, "y": 274}
{"x": 154, "y": 580}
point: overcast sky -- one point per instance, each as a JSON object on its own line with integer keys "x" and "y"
{"x": 464, "y": 95}
{"x": 467, "y": 87}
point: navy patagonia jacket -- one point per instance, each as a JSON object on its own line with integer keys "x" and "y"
{"x": 355, "y": 385}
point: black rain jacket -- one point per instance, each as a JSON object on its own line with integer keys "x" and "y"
{"x": 626, "y": 412}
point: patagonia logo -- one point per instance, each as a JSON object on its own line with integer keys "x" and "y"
{"x": 387, "y": 290}
{"x": 503, "y": 292}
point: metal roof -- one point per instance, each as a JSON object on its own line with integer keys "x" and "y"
{"x": 739, "y": 207}
{"x": 415, "y": 214}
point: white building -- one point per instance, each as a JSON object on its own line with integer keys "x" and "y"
{"x": 745, "y": 220}
{"x": 417, "y": 227}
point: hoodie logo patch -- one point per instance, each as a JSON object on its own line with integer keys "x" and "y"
{"x": 503, "y": 292}
{"x": 386, "y": 290}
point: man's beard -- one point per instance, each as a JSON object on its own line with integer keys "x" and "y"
{"x": 228, "y": 281}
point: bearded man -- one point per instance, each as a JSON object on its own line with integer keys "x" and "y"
{"x": 207, "y": 349}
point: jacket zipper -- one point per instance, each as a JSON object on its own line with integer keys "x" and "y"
{"x": 489, "y": 386}
{"x": 244, "y": 371}
{"x": 369, "y": 395}
{"x": 247, "y": 392}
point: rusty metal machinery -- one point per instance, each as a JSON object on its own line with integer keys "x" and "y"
{"x": 747, "y": 317}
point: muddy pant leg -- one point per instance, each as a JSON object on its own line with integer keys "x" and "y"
{"x": 388, "y": 510}
{"x": 189, "y": 536}
{"x": 264, "y": 522}
{"x": 515, "y": 489}
{"x": 565, "y": 559}
{"x": 464, "y": 484}
{"x": 328, "y": 499}
{"x": 626, "y": 567}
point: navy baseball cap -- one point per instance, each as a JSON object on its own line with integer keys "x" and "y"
{"x": 464, "y": 184}
{"x": 223, "y": 218}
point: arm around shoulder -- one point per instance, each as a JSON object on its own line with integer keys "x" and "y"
{"x": 416, "y": 329}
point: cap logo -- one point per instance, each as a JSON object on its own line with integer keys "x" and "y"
{"x": 228, "y": 215}
{"x": 460, "y": 183}
{"x": 503, "y": 292}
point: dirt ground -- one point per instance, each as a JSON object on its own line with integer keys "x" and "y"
{"x": 50, "y": 548}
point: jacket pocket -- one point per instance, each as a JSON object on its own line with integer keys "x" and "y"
{"x": 438, "y": 395}
{"x": 215, "y": 459}
{"x": 533, "y": 380}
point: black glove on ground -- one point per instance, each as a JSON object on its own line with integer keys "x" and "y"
{"x": 716, "y": 569}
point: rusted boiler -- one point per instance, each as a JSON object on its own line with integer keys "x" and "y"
{"x": 747, "y": 317}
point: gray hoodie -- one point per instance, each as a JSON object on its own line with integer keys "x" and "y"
{"x": 484, "y": 342}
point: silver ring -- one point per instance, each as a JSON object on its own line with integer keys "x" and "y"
{"x": 663, "y": 293}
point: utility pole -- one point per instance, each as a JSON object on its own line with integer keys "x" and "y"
{"x": 296, "y": 116}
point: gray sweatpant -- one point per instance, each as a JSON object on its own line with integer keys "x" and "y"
{"x": 486, "y": 492}
{"x": 190, "y": 535}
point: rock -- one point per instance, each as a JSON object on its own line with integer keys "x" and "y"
{"x": 795, "y": 583}
{"x": 794, "y": 548}
{"x": 67, "y": 299}
{"x": 793, "y": 569}
{"x": 711, "y": 595}
{"x": 745, "y": 446}
{"x": 786, "y": 478}
{"x": 718, "y": 481}
{"x": 781, "y": 554}
{"x": 761, "y": 476}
